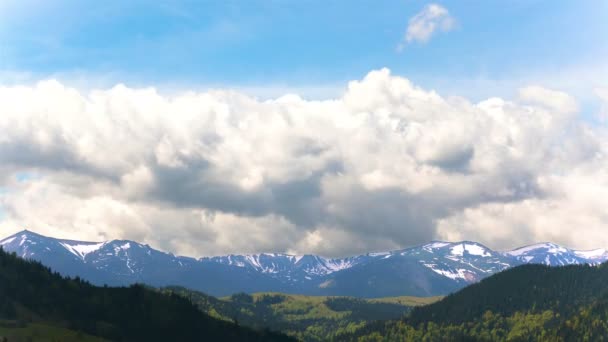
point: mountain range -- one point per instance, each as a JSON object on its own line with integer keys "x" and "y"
{"x": 436, "y": 268}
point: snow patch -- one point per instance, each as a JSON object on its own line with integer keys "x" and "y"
{"x": 549, "y": 247}
{"x": 455, "y": 275}
{"x": 81, "y": 250}
{"x": 469, "y": 248}
{"x": 129, "y": 265}
{"x": 592, "y": 254}
{"x": 253, "y": 260}
{"x": 437, "y": 244}
{"x": 379, "y": 254}
{"x": 429, "y": 247}
{"x": 337, "y": 265}
{"x": 7, "y": 241}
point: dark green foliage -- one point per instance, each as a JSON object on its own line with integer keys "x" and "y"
{"x": 590, "y": 323}
{"x": 528, "y": 287}
{"x": 526, "y": 303}
{"x": 489, "y": 327}
{"x": 31, "y": 292}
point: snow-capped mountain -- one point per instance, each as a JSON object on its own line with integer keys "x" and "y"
{"x": 291, "y": 268}
{"x": 466, "y": 261}
{"x": 432, "y": 269}
{"x": 555, "y": 255}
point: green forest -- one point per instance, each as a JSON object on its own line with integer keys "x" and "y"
{"x": 526, "y": 303}
{"x": 37, "y": 304}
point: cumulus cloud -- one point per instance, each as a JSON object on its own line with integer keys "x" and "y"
{"x": 421, "y": 27}
{"x": 386, "y": 165}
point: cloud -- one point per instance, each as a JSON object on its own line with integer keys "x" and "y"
{"x": 602, "y": 93}
{"x": 385, "y": 165}
{"x": 421, "y": 27}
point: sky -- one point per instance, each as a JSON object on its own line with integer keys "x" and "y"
{"x": 337, "y": 128}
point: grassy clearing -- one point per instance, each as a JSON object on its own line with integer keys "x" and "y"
{"x": 407, "y": 300}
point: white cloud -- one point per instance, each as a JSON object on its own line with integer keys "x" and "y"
{"x": 570, "y": 213}
{"x": 602, "y": 93}
{"x": 386, "y": 164}
{"x": 421, "y": 27}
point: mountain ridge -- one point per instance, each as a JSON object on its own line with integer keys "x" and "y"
{"x": 435, "y": 268}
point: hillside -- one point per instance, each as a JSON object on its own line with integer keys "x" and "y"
{"x": 530, "y": 302}
{"x": 529, "y": 287}
{"x": 31, "y": 296}
{"x": 309, "y": 318}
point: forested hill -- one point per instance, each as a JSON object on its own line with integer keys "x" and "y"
{"x": 30, "y": 292}
{"x": 528, "y": 287}
{"x": 526, "y": 303}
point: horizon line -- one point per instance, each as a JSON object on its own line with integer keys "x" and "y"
{"x": 26, "y": 230}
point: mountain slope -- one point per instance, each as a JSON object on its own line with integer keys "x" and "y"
{"x": 31, "y": 292}
{"x": 436, "y": 268}
{"x": 525, "y": 303}
{"x": 536, "y": 287}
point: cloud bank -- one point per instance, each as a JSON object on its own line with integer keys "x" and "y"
{"x": 386, "y": 165}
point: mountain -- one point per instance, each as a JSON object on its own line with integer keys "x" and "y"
{"x": 292, "y": 268}
{"x": 526, "y": 303}
{"x": 556, "y": 255}
{"x": 34, "y": 299}
{"x": 122, "y": 262}
{"x": 436, "y": 268}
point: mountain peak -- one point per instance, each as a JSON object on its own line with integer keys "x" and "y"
{"x": 24, "y": 236}
{"x": 25, "y": 232}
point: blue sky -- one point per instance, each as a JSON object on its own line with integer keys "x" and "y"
{"x": 381, "y": 165}
{"x": 494, "y": 47}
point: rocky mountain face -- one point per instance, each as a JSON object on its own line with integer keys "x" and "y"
{"x": 436, "y": 268}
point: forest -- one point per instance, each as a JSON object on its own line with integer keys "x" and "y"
{"x": 526, "y": 303}
{"x": 32, "y": 296}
